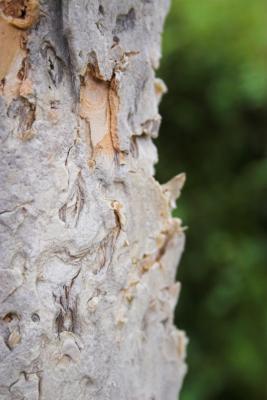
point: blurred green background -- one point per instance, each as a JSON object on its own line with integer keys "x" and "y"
{"x": 215, "y": 129}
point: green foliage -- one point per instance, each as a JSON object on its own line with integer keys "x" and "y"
{"x": 214, "y": 129}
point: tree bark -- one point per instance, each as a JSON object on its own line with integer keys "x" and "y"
{"x": 88, "y": 245}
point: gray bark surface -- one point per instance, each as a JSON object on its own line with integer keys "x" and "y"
{"x": 88, "y": 246}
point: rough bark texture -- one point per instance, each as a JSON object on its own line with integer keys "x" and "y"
{"x": 89, "y": 248}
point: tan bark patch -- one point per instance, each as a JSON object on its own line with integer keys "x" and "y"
{"x": 26, "y": 88}
{"x": 113, "y": 101}
{"x": 99, "y": 105}
{"x": 12, "y": 84}
{"x": 10, "y": 48}
{"x": 14, "y": 66}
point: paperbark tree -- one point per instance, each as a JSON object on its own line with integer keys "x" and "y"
{"x": 88, "y": 245}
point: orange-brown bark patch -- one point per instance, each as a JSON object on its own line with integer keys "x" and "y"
{"x": 10, "y": 46}
{"x": 26, "y": 88}
{"x": 14, "y": 64}
{"x": 113, "y": 100}
{"x": 13, "y": 8}
{"x": 99, "y": 106}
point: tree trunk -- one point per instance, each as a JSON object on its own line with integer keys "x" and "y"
{"x": 89, "y": 248}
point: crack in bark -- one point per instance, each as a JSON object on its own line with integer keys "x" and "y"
{"x": 11, "y": 210}
{"x": 40, "y": 388}
{"x": 70, "y": 212}
{"x": 11, "y": 293}
{"x": 66, "y": 319}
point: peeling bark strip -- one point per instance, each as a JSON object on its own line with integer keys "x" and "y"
{"x": 88, "y": 246}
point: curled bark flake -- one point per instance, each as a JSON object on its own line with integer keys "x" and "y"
{"x": 14, "y": 338}
{"x": 22, "y": 14}
{"x": 151, "y": 126}
{"x": 172, "y": 189}
{"x": 119, "y": 215}
{"x": 23, "y": 112}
